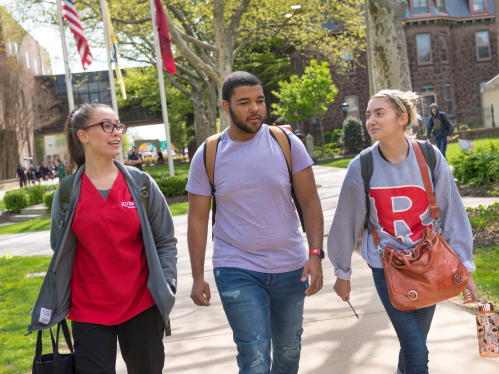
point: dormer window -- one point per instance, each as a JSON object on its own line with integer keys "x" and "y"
{"x": 478, "y": 6}
{"x": 440, "y": 4}
{"x": 420, "y": 6}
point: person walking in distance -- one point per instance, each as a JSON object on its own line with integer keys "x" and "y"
{"x": 21, "y": 173}
{"x": 134, "y": 159}
{"x": 59, "y": 167}
{"x": 440, "y": 125}
{"x": 399, "y": 213}
{"x": 117, "y": 271}
{"x": 261, "y": 266}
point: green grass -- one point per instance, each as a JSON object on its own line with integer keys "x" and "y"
{"x": 17, "y": 297}
{"x": 38, "y": 224}
{"x": 2, "y": 205}
{"x": 179, "y": 209}
{"x": 178, "y": 168}
{"x": 453, "y": 149}
{"x": 343, "y": 163}
{"x": 486, "y": 276}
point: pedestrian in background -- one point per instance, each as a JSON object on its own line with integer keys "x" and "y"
{"x": 59, "y": 167}
{"x": 134, "y": 158}
{"x": 441, "y": 126}
{"x": 260, "y": 262}
{"x": 397, "y": 183}
{"x": 117, "y": 271}
{"x": 21, "y": 173}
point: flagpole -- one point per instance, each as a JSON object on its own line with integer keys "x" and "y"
{"x": 69, "y": 78}
{"x": 110, "y": 66}
{"x": 159, "y": 66}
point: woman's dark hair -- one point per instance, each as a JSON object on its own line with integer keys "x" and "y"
{"x": 77, "y": 120}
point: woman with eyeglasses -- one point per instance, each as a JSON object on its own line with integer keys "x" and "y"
{"x": 115, "y": 268}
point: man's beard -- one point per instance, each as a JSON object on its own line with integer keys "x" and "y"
{"x": 242, "y": 124}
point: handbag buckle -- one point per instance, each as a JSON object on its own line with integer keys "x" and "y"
{"x": 412, "y": 295}
{"x": 458, "y": 279}
{"x": 380, "y": 250}
{"x": 437, "y": 226}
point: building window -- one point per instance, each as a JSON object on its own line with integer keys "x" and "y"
{"x": 17, "y": 51}
{"x": 424, "y": 48}
{"x": 43, "y": 70}
{"x": 482, "y": 45}
{"x": 36, "y": 65}
{"x": 426, "y": 89}
{"x": 420, "y": 6}
{"x": 348, "y": 63}
{"x": 478, "y": 5}
{"x": 353, "y": 106}
{"x": 10, "y": 48}
{"x": 443, "y": 47}
{"x": 27, "y": 59}
{"x": 448, "y": 99}
{"x": 428, "y": 99}
{"x": 440, "y": 4}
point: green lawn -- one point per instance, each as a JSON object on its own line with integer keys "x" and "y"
{"x": 17, "y": 297}
{"x": 453, "y": 149}
{"x": 179, "y": 169}
{"x": 486, "y": 276}
{"x": 343, "y": 163}
{"x": 179, "y": 209}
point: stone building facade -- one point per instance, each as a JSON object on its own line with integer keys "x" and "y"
{"x": 452, "y": 50}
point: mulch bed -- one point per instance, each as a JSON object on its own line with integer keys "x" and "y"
{"x": 177, "y": 199}
{"x": 473, "y": 191}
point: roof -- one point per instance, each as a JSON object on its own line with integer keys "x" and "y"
{"x": 455, "y": 8}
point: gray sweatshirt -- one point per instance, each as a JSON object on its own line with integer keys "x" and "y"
{"x": 399, "y": 210}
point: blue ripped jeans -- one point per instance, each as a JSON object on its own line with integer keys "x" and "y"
{"x": 412, "y": 328}
{"x": 264, "y": 310}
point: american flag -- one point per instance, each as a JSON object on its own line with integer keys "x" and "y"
{"x": 77, "y": 30}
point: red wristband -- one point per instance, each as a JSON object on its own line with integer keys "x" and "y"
{"x": 316, "y": 251}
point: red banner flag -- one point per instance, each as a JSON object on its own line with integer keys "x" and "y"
{"x": 164, "y": 38}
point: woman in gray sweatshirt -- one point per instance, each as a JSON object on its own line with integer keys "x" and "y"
{"x": 399, "y": 210}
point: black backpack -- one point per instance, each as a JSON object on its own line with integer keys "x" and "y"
{"x": 366, "y": 167}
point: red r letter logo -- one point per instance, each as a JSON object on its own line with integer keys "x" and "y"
{"x": 401, "y": 205}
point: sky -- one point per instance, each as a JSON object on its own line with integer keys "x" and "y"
{"x": 49, "y": 38}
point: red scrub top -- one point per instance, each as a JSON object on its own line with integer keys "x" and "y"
{"x": 110, "y": 271}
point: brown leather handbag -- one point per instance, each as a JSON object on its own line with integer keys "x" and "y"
{"x": 432, "y": 272}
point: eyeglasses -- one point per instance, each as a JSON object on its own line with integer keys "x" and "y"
{"x": 109, "y": 127}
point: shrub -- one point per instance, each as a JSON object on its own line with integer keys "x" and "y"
{"x": 147, "y": 162}
{"x": 463, "y": 127}
{"x": 353, "y": 136}
{"x": 48, "y": 198}
{"x": 16, "y": 200}
{"x": 479, "y": 167}
{"x": 172, "y": 186}
{"x": 35, "y": 194}
{"x": 337, "y": 134}
{"x": 328, "y": 137}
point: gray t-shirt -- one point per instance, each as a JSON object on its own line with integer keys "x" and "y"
{"x": 256, "y": 227}
{"x": 399, "y": 210}
{"x": 104, "y": 193}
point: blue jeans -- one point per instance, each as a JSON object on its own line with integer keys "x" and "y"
{"x": 263, "y": 309}
{"x": 441, "y": 144}
{"x": 411, "y": 327}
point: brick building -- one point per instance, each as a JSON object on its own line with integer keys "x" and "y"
{"x": 452, "y": 50}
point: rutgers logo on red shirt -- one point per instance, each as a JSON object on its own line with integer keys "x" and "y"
{"x": 401, "y": 211}
{"x": 128, "y": 204}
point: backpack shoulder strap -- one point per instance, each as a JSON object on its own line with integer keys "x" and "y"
{"x": 65, "y": 192}
{"x": 429, "y": 156}
{"x": 144, "y": 195}
{"x": 284, "y": 142}
{"x": 282, "y": 138}
{"x": 210, "y": 155}
{"x": 366, "y": 169}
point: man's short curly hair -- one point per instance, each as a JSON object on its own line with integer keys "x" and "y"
{"x": 238, "y": 79}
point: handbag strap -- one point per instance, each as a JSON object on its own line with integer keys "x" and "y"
{"x": 67, "y": 335}
{"x": 55, "y": 342}
{"x": 434, "y": 214}
{"x": 38, "y": 351}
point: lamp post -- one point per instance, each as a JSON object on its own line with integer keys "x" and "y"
{"x": 344, "y": 108}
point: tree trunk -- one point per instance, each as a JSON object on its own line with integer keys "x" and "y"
{"x": 387, "y": 53}
{"x": 200, "y": 118}
{"x": 212, "y": 107}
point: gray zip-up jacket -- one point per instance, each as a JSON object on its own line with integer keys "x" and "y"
{"x": 54, "y": 300}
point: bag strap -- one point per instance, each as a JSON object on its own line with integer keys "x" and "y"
{"x": 429, "y": 156}
{"x": 210, "y": 155}
{"x": 65, "y": 193}
{"x": 366, "y": 169}
{"x": 282, "y": 138}
{"x": 145, "y": 194}
{"x": 434, "y": 214}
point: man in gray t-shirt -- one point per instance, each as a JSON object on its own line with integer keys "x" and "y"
{"x": 260, "y": 262}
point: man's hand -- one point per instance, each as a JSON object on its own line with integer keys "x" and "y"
{"x": 200, "y": 293}
{"x": 472, "y": 296}
{"x": 342, "y": 288}
{"x": 449, "y": 138}
{"x": 313, "y": 267}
